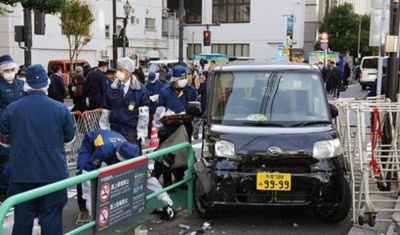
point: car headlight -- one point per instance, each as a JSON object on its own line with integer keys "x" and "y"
{"x": 327, "y": 149}
{"x": 224, "y": 148}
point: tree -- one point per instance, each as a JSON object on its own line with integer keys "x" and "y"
{"x": 45, "y": 6}
{"x": 76, "y": 20}
{"x": 342, "y": 25}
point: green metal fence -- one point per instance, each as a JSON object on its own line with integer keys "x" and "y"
{"x": 50, "y": 188}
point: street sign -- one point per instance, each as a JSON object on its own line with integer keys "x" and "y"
{"x": 324, "y": 46}
{"x": 121, "y": 194}
{"x": 324, "y": 35}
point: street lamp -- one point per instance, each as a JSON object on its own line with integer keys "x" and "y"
{"x": 127, "y": 11}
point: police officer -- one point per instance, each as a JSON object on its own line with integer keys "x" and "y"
{"x": 110, "y": 147}
{"x": 11, "y": 89}
{"x": 172, "y": 100}
{"x": 153, "y": 86}
{"x": 95, "y": 87}
{"x": 39, "y": 127}
{"x": 128, "y": 101}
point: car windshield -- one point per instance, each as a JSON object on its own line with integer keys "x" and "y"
{"x": 372, "y": 63}
{"x": 269, "y": 98}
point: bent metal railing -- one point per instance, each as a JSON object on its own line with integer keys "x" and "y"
{"x": 64, "y": 184}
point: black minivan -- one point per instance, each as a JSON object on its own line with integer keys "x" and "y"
{"x": 268, "y": 140}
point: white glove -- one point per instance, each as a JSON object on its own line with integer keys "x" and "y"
{"x": 154, "y": 98}
{"x": 169, "y": 112}
{"x": 73, "y": 88}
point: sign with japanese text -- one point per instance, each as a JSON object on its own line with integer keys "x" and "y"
{"x": 121, "y": 194}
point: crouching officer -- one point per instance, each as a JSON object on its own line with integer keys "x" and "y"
{"x": 172, "y": 100}
{"x": 109, "y": 147}
{"x": 39, "y": 127}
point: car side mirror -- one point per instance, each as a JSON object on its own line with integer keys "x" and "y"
{"x": 334, "y": 111}
{"x": 193, "y": 108}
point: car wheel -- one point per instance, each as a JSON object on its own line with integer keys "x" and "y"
{"x": 364, "y": 87}
{"x": 339, "y": 213}
{"x": 202, "y": 201}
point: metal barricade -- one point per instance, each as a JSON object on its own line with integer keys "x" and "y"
{"x": 371, "y": 162}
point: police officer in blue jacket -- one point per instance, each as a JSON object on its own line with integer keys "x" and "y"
{"x": 128, "y": 101}
{"x": 95, "y": 87}
{"x": 153, "y": 86}
{"x": 11, "y": 89}
{"x": 172, "y": 100}
{"x": 37, "y": 128}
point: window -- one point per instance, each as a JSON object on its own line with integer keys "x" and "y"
{"x": 107, "y": 30}
{"x": 231, "y": 11}
{"x": 133, "y": 21}
{"x": 193, "y": 10}
{"x": 150, "y": 24}
{"x": 231, "y": 49}
{"x": 193, "y": 49}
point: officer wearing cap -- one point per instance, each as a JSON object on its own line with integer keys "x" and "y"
{"x": 110, "y": 74}
{"x": 128, "y": 101}
{"x": 95, "y": 87}
{"x": 173, "y": 99}
{"x": 39, "y": 127}
{"x": 97, "y": 147}
{"x": 109, "y": 147}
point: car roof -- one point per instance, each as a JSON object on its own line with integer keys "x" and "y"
{"x": 264, "y": 65}
{"x": 163, "y": 61}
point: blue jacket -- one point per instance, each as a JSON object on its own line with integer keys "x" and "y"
{"x": 97, "y": 147}
{"x": 171, "y": 100}
{"x": 95, "y": 88}
{"x": 154, "y": 89}
{"x": 38, "y": 128}
{"x": 124, "y": 110}
{"x": 8, "y": 94}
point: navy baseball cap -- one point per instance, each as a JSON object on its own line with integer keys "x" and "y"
{"x": 178, "y": 71}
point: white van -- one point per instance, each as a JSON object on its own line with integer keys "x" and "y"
{"x": 369, "y": 70}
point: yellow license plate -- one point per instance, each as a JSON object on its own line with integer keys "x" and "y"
{"x": 274, "y": 181}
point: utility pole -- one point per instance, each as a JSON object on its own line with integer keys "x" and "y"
{"x": 181, "y": 13}
{"x": 28, "y": 36}
{"x": 114, "y": 35}
{"x": 392, "y": 87}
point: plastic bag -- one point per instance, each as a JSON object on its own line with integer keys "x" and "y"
{"x": 8, "y": 224}
{"x": 154, "y": 185}
{"x": 104, "y": 121}
{"x": 86, "y": 194}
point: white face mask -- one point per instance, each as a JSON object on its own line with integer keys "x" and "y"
{"x": 9, "y": 76}
{"x": 182, "y": 83}
{"x": 120, "y": 75}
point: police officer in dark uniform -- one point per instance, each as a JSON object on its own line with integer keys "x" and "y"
{"x": 11, "y": 89}
{"x": 128, "y": 101}
{"x": 95, "y": 87}
{"x": 153, "y": 86}
{"x": 39, "y": 127}
{"x": 173, "y": 99}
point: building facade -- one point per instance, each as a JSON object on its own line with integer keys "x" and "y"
{"x": 144, "y": 31}
{"x": 245, "y": 28}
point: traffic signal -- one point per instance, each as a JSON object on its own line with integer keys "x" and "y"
{"x": 207, "y": 38}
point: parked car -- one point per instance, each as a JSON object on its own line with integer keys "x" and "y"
{"x": 268, "y": 140}
{"x": 369, "y": 70}
{"x": 65, "y": 67}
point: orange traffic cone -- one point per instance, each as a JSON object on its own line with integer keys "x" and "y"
{"x": 154, "y": 140}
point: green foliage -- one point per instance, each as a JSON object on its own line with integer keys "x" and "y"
{"x": 76, "y": 20}
{"x": 342, "y": 25}
{"x": 45, "y": 6}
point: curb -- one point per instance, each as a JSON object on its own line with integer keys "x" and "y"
{"x": 393, "y": 228}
